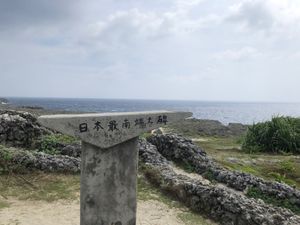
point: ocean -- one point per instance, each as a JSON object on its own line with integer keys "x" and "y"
{"x": 225, "y": 112}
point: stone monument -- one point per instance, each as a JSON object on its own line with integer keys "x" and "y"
{"x": 109, "y": 160}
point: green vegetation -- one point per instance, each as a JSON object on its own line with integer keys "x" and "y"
{"x": 4, "y": 204}
{"x": 7, "y": 165}
{"x": 50, "y": 143}
{"x": 190, "y": 218}
{"x": 280, "y": 135}
{"x": 257, "y": 194}
{"x": 5, "y": 157}
{"x": 284, "y": 168}
{"x": 145, "y": 135}
{"x": 40, "y": 186}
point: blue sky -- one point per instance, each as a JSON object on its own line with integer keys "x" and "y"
{"x": 225, "y": 50}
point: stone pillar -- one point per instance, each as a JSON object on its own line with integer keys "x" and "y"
{"x": 109, "y": 160}
{"x": 108, "y": 184}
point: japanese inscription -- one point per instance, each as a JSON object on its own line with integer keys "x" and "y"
{"x": 83, "y": 127}
{"x": 112, "y": 125}
{"x": 162, "y": 119}
{"x": 125, "y": 124}
{"x": 140, "y": 123}
{"x": 108, "y": 129}
{"x": 150, "y": 121}
{"x": 98, "y": 126}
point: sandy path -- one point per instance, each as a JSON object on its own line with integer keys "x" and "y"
{"x": 67, "y": 213}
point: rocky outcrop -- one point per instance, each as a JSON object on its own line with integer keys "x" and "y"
{"x": 73, "y": 150}
{"x": 20, "y": 129}
{"x": 23, "y": 160}
{"x": 220, "y": 204}
{"x": 208, "y": 128}
{"x": 178, "y": 148}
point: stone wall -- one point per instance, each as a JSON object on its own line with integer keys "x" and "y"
{"x": 23, "y": 161}
{"x": 178, "y": 148}
{"x": 223, "y": 205}
{"x": 19, "y": 129}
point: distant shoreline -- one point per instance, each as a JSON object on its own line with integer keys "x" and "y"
{"x": 226, "y": 113}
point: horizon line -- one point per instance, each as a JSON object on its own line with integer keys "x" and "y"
{"x": 148, "y": 99}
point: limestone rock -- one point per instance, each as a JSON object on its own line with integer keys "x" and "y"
{"x": 20, "y": 129}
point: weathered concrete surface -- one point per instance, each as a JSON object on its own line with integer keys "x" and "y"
{"x": 108, "y": 129}
{"x": 109, "y": 160}
{"x": 108, "y": 184}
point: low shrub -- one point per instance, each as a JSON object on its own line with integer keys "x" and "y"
{"x": 5, "y": 160}
{"x": 280, "y": 135}
{"x": 7, "y": 164}
{"x": 51, "y": 144}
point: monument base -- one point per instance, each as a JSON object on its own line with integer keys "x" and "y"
{"x": 108, "y": 184}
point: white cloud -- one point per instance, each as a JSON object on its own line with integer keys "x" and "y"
{"x": 238, "y": 54}
{"x": 194, "y": 46}
{"x": 127, "y": 27}
{"x": 266, "y": 15}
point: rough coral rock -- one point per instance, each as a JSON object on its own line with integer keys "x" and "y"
{"x": 178, "y": 148}
{"x": 20, "y": 129}
{"x": 221, "y": 204}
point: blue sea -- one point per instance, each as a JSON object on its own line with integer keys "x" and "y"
{"x": 226, "y": 112}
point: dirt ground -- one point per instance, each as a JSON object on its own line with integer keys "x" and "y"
{"x": 67, "y": 213}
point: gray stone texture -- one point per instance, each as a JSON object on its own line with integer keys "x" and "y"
{"x": 108, "y": 184}
{"x": 30, "y": 160}
{"x": 108, "y": 129}
{"x": 220, "y": 204}
{"x": 20, "y": 129}
{"x": 178, "y": 148}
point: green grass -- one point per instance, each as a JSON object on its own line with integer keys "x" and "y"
{"x": 282, "y": 168}
{"x": 53, "y": 187}
{"x": 40, "y": 186}
{"x": 190, "y": 218}
{"x": 4, "y": 204}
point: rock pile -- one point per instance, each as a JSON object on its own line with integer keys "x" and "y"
{"x": 178, "y": 148}
{"x": 220, "y": 204}
{"x": 20, "y": 129}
